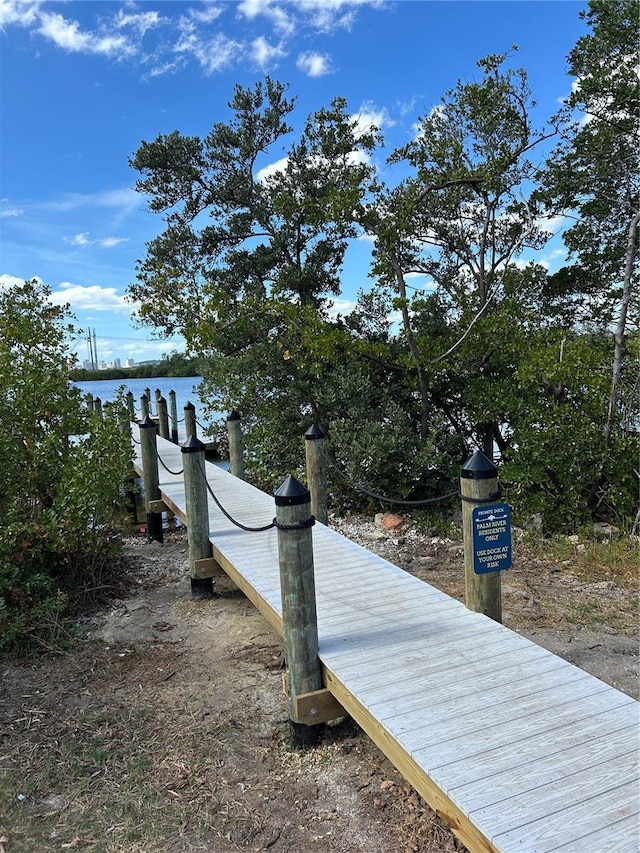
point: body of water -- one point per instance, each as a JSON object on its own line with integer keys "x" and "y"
{"x": 184, "y": 386}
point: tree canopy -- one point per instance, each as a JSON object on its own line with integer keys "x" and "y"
{"x": 494, "y": 352}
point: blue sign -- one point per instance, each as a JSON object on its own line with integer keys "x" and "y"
{"x": 491, "y": 538}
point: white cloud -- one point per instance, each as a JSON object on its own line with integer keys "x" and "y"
{"x": 141, "y": 22}
{"x": 110, "y": 242}
{"x": 265, "y": 54}
{"x": 207, "y": 14}
{"x": 83, "y": 239}
{"x": 189, "y": 32}
{"x": 19, "y": 12}
{"x": 79, "y": 239}
{"x": 408, "y": 106}
{"x": 7, "y": 280}
{"x": 369, "y": 115}
{"x": 124, "y": 200}
{"x": 252, "y": 9}
{"x": 7, "y": 211}
{"x": 272, "y": 169}
{"x": 328, "y": 15}
{"x": 90, "y": 298}
{"x": 68, "y": 36}
{"x": 314, "y": 64}
{"x": 212, "y": 54}
{"x": 150, "y": 349}
{"x": 554, "y": 224}
{"x": 340, "y": 307}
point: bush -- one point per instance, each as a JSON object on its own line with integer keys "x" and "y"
{"x": 62, "y": 474}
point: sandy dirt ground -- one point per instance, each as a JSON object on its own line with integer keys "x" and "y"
{"x": 167, "y": 730}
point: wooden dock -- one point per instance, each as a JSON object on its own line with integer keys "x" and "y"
{"x": 516, "y": 748}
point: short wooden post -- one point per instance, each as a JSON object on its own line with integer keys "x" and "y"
{"x": 297, "y": 586}
{"x": 150, "y": 478}
{"x": 144, "y": 407}
{"x": 97, "y": 407}
{"x": 190, "y": 420}
{"x": 163, "y": 417}
{"x": 147, "y": 393}
{"x": 478, "y": 486}
{"x": 236, "y": 450}
{"x": 173, "y": 416}
{"x": 130, "y": 407}
{"x": 316, "y": 472}
{"x": 201, "y": 563}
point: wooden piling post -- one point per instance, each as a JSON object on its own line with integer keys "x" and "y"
{"x": 201, "y": 563}
{"x": 236, "y": 450}
{"x": 97, "y": 407}
{"x": 130, "y": 407}
{"x": 316, "y": 472}
{"x": 173, "y": 416}
{"x": 299, "y": 619}
{"x": 190, "y": 420}
{"x": 479, "y": 486}
{"x": 144, "y": 407}
{"x": 150, "y": 478}
{"x": 163, "y": 416}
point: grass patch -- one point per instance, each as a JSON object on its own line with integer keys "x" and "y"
{"x": 596, "y": 561}
{"x": 96, "y": 770}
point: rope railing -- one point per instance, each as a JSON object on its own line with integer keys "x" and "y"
{"x": 263, "y": 528}
{"x": 168, "y": 470}
{"x": 383, "y": 498}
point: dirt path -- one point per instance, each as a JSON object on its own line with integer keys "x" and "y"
{"x": 168, "y": 732}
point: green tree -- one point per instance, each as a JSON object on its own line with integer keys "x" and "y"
{"x": 462, "y": 218}
{"x": 62, "y": 469}
{"x": 251, "y": 256}
{"x": 593, "y": 176}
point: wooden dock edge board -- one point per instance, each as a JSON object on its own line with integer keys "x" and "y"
{"x": 459, "y": 823}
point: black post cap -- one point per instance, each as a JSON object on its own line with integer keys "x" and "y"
{"x": 233, "y": 415}
{"x": 313, "y": 433}
{"x": 190, "y": 406}
{"x": 291, "y": 493}
{"x": 147, "y": 423}
{"x": 192, "y": 445}
{"x": 478, "y": 467}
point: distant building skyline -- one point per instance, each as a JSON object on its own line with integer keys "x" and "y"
{"x": 87, "y": 364}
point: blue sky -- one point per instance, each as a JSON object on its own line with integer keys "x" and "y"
{"x": 83, "y": 83}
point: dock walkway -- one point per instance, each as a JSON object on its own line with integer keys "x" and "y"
{"x": 516, "y": 748}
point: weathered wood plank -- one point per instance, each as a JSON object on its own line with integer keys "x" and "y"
{"x": 455, "y": 700}
{"x": 494, "y": 786}
{"x": 536, "y": 751}
{"x": 487, "y": 670}
{"x": 622, "y": 836}
{"x": 575, "y": 822}
{"x": 439, "y": 745}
